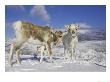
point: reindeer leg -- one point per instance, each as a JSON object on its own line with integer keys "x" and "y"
{"x": 18, "y": 46}
{"x": 12, "y": 49}
{"x": 18, "y": 58}
{"x": 71, "y": 54}
{"x": 50, "y": 52}
{"x": 15, "y": 47}
{"x": 42, "y": 53}
{"x": 74, "y": 55}
{"x": 65, "y": 52}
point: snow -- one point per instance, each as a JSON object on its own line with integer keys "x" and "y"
{"x": 90, "y": 57}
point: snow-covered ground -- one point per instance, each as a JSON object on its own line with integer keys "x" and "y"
{"x": 90, "y": 55}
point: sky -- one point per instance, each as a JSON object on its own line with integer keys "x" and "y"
{"x": 55, "y": 16}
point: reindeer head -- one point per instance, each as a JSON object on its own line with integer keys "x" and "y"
{"x": 58, "y": 36}
{"x": 72, "y": 28}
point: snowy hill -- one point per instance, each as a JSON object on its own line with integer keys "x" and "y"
{"x": 90, "y": 55}
{"x": 87, "y": 34}
{"x": 91, "y": 34}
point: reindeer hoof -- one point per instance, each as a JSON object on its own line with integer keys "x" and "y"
{"x": 50, "y": 61}
{"x": 40, "y": 62}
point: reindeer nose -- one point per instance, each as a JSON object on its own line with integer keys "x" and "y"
{"x": 73, "y": 32}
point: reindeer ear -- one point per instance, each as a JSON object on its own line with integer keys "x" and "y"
{"x": 77, "y": 27}
{"x": 52, "y": 31}
{"x": 56, "y": 32}
{"x": 67, "y": 27}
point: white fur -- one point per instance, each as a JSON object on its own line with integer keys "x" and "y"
{"x": 46, "y": 38}
{"x": 70, "y": 41}
{"x": 42, "y": 51}
{"x": 21, "y": 39}
{"x": 17, "y": 25}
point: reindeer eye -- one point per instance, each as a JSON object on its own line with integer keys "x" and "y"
{"x": 60, "y": 36}
{"x": 69, "y": 29}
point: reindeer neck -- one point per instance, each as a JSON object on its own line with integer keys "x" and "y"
{"x": 54, "y": 38}
{"x": 70, "y": 35}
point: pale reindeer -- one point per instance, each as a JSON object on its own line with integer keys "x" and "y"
{"x": 70, "y": 41}
{"x": 42, "y": 50}
{"x": 25, "y": 30}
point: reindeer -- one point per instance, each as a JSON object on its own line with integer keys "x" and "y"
{"x": 70, "y": 40}
{"x": 25, "y": 30}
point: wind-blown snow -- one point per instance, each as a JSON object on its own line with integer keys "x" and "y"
{"x": 90, "y": 57}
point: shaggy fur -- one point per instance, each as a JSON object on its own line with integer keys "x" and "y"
{"x": 26, "y": 30}
{"x": 70, "y": 40}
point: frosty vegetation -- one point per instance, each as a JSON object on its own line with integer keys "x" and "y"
{"x": 90, "y": 55}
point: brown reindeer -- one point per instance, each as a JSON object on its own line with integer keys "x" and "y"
{"x": 25, "y": 30}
